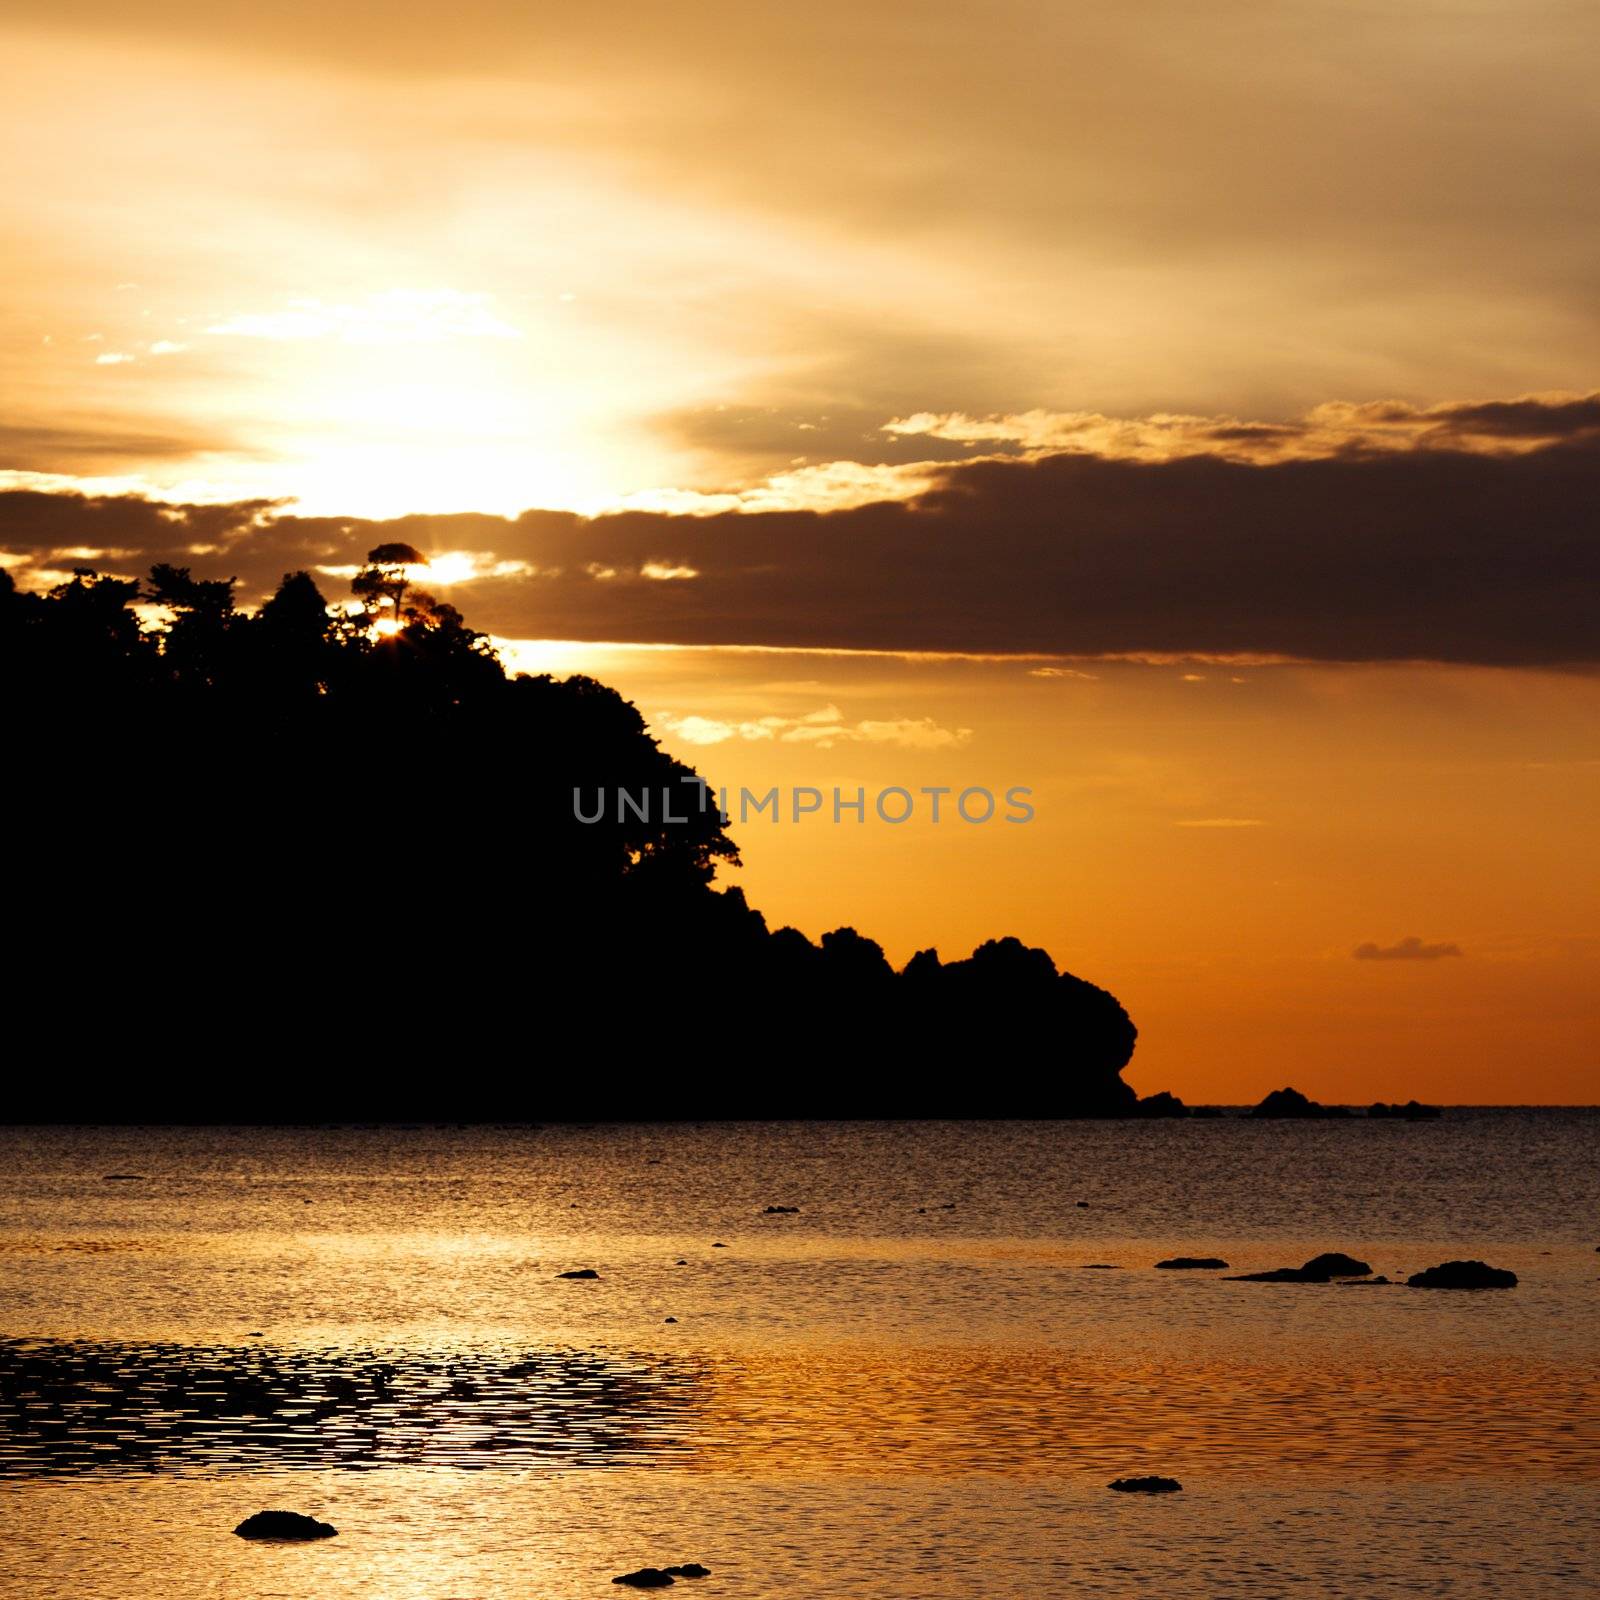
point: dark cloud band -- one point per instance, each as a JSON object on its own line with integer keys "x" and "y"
{"x": 1430, "y": 554}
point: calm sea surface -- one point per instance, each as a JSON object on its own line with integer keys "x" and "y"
{"x": 919, "y": 1384}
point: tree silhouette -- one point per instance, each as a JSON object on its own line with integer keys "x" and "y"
{"x": 383, "y": 582}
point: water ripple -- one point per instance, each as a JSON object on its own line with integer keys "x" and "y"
{"x": 71, "y": 1407}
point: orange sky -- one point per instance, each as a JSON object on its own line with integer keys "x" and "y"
{"x": 1039, "y": 258}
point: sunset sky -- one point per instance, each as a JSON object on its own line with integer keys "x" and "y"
{"x": 1188, "y": 412}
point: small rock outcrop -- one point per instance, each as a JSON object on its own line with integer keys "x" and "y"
{"x": 1150, "y": 1485}
{"x": 284, "y": 1525}
{"x": 1319, "y": 1269}
{"x": 1463, "y": 1275}
{"x": 1291, "y": 1103}
{"x": 1411, "y": 1111}
{"x": 1335, "y": 1264}
{"x": 1193, "y": 1264}
{"x": 582, "y": 1272}
{"x": 1161, "y": 1104}
{"x": 690, "y": 1569}
{"x": 646, "y": 1578}
{"x": 781, "y": 1211}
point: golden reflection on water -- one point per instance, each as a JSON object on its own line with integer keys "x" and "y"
{"x": 74, "y": 1408}
{"x": 885, "y": 1396}
{"x": 416, "y": 1534}
{"x": 1040, "y": 1412}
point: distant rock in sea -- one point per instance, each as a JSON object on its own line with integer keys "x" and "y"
{"x": 123, "y": 1177}
{"x": 1463, "y": 1275}
{"x": 1161, "y": 1104}
{"x": 1291, "y": 1103}
{"x": 1150, "y": 1485}
{"x": 781, "y": 1211}
{"x": 582, "y": 1272}
{"x": 1335, "y": 1264}
{"x": 1411, "y": 1111}
{"x": 284, "y": 1525}
{"x": 661, "y": 1577}
{"x": 1319, "y": 1269}
{"x": 1193, "y": 1264}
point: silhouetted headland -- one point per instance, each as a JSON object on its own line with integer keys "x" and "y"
{"x": 310, "y": 864}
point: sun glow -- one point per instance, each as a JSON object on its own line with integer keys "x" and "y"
{"x": 440, "y": 441}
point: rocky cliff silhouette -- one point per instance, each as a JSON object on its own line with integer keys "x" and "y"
{"x": 308, "y": 864}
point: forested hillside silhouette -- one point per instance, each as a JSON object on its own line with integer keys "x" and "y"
{"x": 310, "y": 863}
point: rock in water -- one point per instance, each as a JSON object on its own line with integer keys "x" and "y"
{"x": 1162, "y": 1104}
{"x": 1193, "y": 1263}
{"x": 582, "y": 1272}
{"x": 646, "y": 1578}
{"x": 1463, "y": 1275}
{"x": 1150, "y": 1485}
{"x": 1334, "y": 1264}
{"x": 1319, "y": 1269}
{"x": 1277, "y": 1275}
{"x": 1291, "y": 1103}
{"x": 283, "y": 1525}
{"x": 690, "y": 1569}
{"x": 1411, "y": 1111}
{"x": 781, "y": 1211}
